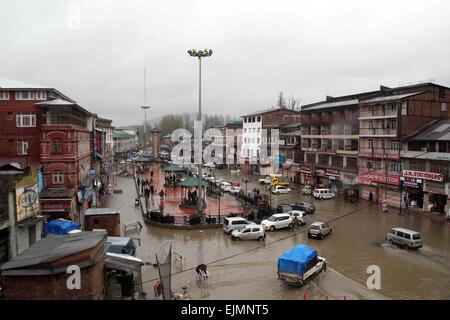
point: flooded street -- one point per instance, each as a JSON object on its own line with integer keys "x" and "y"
{"x": 248, "y": 269}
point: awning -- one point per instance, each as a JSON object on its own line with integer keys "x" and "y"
{"x": 123, "y": 262}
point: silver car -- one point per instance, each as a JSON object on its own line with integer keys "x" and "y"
{"x": 249, "y": 232}
{"x": 405, "y": 238}
{"x": 319, "y": 230}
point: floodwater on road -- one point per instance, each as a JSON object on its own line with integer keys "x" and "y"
{"x": 248, "y": 269}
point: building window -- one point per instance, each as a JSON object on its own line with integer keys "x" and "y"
{"x": 24, "y": 95}
{"x": 396, "y": 166}
{"x": 370, "y": 143}
{"x": 41, "y": 95}
{"x": 57, "y": 146}
{"x": 395, "y": 145}
{"x": 4, "y": 95}
{"x": 245, "y": 130}
{"x": 394, "y": 124}
{"x": 25, "y": 119}
{"x": 259, "y": 118}
{"x": 22, "y": 147}
{"x": 259, "y": 141}
{"x": 58, "y": 177}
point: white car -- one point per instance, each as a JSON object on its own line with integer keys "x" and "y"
{"x": 299, "y": 215}
{"x": 278, "y": 221}
{"x": 218, "y": 182}
{"x": 265, "y": 180}
{"x": 249, "y": 232}
{"x": 225, "y": 186}
{"x": 209, "y": 165}
{"x": 281, "y": 190}
{"x": 324, "y": 194}
{"x": 235, "y": 190}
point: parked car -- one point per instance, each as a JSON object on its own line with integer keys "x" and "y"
{"x": 308, "y": 207}
{"x": 249, "y": 232}
{"x": 278, "y": 221}
{"x": 308, "y": 190}
{"x": 218, "y": 182}
{"x": 226, "y": 186}
{"x": 298, "y": 215}
{"x": 281, "y": 190}
{"x": 233, "y": 223}
{"x": 283, "y": 208}
{"x": 209, "y": 165}
{"x": 265, "y": 180}
{"x": 235, "y": 190}
{"x": 405, "y": 238}
{"x": 319, "y": 230}
{"x": 322, "y": 194}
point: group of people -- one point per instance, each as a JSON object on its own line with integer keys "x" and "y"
{"x": 148, "y": 189}
{"x": 172, "y": 180}
{"x": 192, "y": 197}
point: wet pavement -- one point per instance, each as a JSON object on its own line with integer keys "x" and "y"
{"x": 248, "y": 269}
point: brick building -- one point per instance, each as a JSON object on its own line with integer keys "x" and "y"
{"x": 385, "y": 119}
{"x": 40, "y": 272}
{"x": 66, "y": 154}
{"x": 426, "y": 168}
{"x": 103, "y": 156}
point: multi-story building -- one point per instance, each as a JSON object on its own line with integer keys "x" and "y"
{"x": 290, "y": 150}
{"x": 426, "y": 168}
{"x": 66, "y": 154}
{"x": 256, "y": 133}
{"x": 385, "y": 118}
{"x": 330, "y": 133}
{"x": 20, "y": 120}
{"x": 228, "y": 159}
{"x": 123, "y": 142}
{"x": 103, "y": 152}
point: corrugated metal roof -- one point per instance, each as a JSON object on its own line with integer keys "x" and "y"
{"x": 271, "y": 109}
{"x": 51, "y": 249}
{"x": 13, "y": 84}
{"x": 440, "y": 131}
{"x": 327, "y": 105}
{"x": 101, "y": 211}
{"x": 56, "y": 102}
{"x": 389, "y": 98}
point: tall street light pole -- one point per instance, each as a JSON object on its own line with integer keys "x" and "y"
{"x": 145, "y": 127}
{"x": 200, "y": 54}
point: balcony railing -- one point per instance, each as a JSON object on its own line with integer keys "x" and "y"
{"x": 377, "y": 131}
{"x": 380, "y": 153}
{"x": 377, "y": 113}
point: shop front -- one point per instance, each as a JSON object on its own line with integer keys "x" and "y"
{"x": 412, "y": 192}
{"x": 59, "y": 203}
{"x": 323, "y": 181}
{"x": 433, "y": 194}
{"x": 378, "y": 187}
{"x": 350, "y": 183}
{"x": 334, "y": 180}
{"x": 306, "y": 174}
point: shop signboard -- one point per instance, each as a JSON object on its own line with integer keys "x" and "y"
{"x": 332, "y": 173}
{"x": 412, "y": 183}
{"x": 424, "y": 175}
{"x": 368, "y": 178}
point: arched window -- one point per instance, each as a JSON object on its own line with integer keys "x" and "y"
{"x": 57, "y": 146}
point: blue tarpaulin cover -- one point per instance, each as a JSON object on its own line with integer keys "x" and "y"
{"x": 60, "y": 226}
{"x": 296, "y": 259}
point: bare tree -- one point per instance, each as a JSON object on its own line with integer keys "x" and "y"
{"x": 294, "y": 104}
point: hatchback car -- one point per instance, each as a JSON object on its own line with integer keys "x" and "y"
{"x": 225, "y": 186}
{"x": 278, "y": 221}
{"x": 308, "y": 207}
{"x": 283, "y": 208}
{"x": 281, "y": 190}
{"x": 307, "y": 190}
{"x": 233, "y": 223}
{"x": 265, "y": 180}
{"x": 319, "y": 230}
{"x": 235, "y": 190}
{"x": 297, "y": 214}
{"x": 405, "y": 238}
{"x": 249, "y": 232}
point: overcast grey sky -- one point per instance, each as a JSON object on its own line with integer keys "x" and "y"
{"x": 304, "y": 48}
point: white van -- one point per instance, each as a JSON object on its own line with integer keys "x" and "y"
{"x": 404, "y": 237}
{"x": 324, "y": 194}
{"x": 233, "y": 223}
